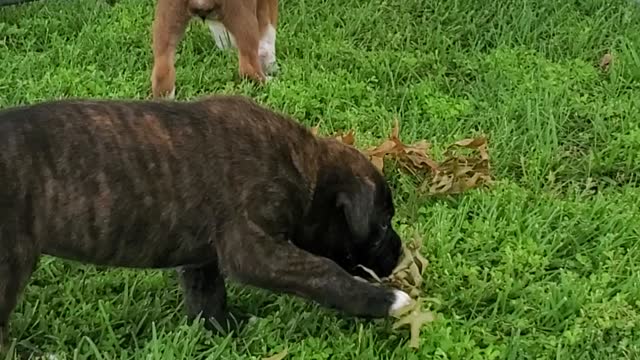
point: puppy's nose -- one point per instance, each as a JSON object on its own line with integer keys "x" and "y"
{"x": 201, "y": 13}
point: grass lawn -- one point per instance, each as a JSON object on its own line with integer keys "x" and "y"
{"x": 544, "y": 265}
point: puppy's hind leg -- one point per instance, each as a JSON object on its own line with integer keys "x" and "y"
{"x": 169, "y": 24}
{"x": 18, "y": 258}
{"x": 275, "y": 264}
{"x": 267, "y": 14}
{"x": 241, "y": 22}
{"x": 205, "y": 295}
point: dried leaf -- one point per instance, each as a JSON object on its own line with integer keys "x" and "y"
{"x": 395, "y": 132}
{"x": 383, "y": 149}
{"x": 348, "y": 138}
{"x": 460, "y": 173}
{"x": 415, "y": 274}
{"x": 606, "y": 61}
{"x": 415, "y": 319}
{"x": 378, "y": 162}
{"x": 423, "y": 263}
{"x": 479, "y": 144}
{"x": 414, "y": 293}
{"x": 278, "y": 356}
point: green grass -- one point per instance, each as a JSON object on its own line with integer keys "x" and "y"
{"x": 545, "y": 265}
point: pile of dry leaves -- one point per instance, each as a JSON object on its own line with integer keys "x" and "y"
{"x": 455, "y": 174}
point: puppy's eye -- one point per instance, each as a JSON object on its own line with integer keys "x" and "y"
{"x": 384, "y": 227}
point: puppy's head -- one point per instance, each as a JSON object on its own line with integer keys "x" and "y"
{"x": 351, "y": 212}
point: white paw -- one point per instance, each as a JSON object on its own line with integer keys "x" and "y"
{"x": 224, "y": 40}
{"x": 402, "y": 299}
{"x": 267, "y": 51}
{"x": 269, "y": 68}
{"x": 172, "y": 94}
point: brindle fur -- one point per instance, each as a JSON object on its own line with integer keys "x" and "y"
{"x": 218, "y": 187}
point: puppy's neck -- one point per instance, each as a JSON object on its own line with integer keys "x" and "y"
{"x": 336, "y": 164}
{"x": 328, "y": 165}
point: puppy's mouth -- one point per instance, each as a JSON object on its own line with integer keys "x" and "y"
{"x": 383, "y": 259}
{"x": 364, "y": 272}
{"x": 371, "y": 271}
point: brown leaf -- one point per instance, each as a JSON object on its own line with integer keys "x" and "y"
{"x": 278, "y": 356}
{"x": 378, "y": 162}
{"x": 479, "y": 144}
{"x": 415, "y": 319}
{"x": 385, "y": 148}
{"x": 348, "y": 138}
{"x": 412, "y": 158}
{"x": 606, "y": 61}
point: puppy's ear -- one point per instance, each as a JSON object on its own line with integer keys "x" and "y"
{"x": 357, "y": 204}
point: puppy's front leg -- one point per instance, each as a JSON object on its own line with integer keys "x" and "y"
{"x": 18, "y": 259}
{"x": 275, "y": 264}
{"x": 267, "y": 15}
{"x": 169, "y": 24}
{"x": 205, "y": 295}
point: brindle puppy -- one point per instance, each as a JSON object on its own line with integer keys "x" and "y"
{"x": 219, "y": 187}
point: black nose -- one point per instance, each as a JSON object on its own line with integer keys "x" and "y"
{"x": 201, "y": 13}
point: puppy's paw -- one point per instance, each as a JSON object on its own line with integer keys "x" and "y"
{"x": 401, "y": 300}
{"x": 271, "y": 68}
{"x": 267, "y": 51}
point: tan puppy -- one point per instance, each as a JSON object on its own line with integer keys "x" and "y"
{"x": 247, "y": 25}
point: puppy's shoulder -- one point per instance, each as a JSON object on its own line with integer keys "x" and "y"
{"x": 224, "y": 101}
{"x": 245, "y": 111}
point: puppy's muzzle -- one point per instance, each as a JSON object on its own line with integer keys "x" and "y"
{"x": 388, "y": 255}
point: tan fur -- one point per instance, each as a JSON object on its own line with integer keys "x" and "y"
{"x": 246, "y": 20}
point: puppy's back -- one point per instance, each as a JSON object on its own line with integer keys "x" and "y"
{"x": 81, "y": 175}
{"x": 57, "y": 135}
